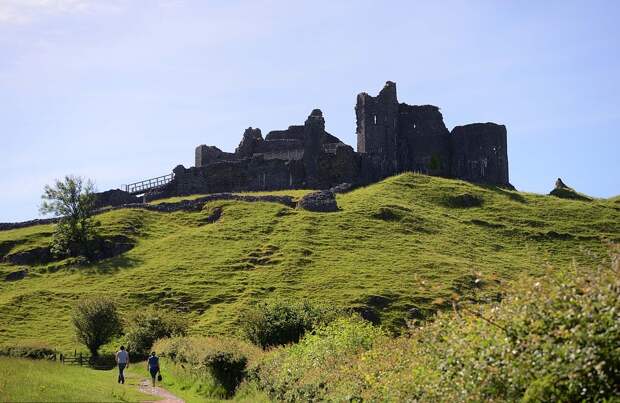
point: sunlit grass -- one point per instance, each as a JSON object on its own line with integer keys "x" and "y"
{"x": 23, "y": 380}
{"x": 295, "y": 193}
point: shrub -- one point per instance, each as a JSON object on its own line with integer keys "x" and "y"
{"x": 281, "y": 322}
{"x": 151, "y": 324}
{"x": 304, "y": 371}
{"x": 96, "y": 321}
{"x": 224, "y": 360}
{"x": 38, "y": 351}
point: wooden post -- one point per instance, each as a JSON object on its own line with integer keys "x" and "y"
{"x": 80, "y": 359}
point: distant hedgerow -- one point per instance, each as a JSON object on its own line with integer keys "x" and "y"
{"x": 34, "y": 350}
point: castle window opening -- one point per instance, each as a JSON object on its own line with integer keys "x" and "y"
{"x": 374, "y": 118}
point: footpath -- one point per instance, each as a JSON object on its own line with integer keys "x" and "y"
{"x": 166, "y": 397}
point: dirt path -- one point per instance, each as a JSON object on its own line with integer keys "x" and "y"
{"x": 145, "y": 387}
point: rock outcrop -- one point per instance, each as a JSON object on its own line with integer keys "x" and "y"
{"x": 323, "y": 201}
{"x": 563, "y": 191}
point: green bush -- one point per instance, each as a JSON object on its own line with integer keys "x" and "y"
{"x": 281, "y": 322}
{"x": 304, "y": 371}
{"x": 151, "y": 324}
{"x": 223, "y": 360}
{"x": 39, "y": 351}
{"x": 96, "y": 322}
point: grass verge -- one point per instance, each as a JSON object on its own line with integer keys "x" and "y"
{"x": 23, "y": 380}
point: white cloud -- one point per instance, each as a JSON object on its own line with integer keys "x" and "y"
{"x": 26, "y": 11}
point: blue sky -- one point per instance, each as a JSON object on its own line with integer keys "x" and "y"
{"x": 119, "y": 91}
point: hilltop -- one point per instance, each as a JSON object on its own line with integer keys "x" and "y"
{"x": 396, "y": 249}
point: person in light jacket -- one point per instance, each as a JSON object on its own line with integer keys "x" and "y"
{"x": 122, "y": 360}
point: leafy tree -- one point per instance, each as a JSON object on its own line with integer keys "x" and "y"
{"x": 96, "y": 321}
{"x": 72, "y": 199}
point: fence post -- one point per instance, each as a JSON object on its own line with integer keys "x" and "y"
{"x": 80, "y": 359}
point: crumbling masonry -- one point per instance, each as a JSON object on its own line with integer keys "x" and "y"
{"x": 392, "y": 137}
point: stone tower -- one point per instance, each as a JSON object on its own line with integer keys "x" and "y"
{"x": 377, "y": 127}
{"x": 480, "y": 153}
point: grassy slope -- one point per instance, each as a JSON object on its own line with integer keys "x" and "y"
{"x": 396, "y": 239}
{"x": 24, "y": 380}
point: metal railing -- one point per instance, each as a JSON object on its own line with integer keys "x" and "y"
{"x": 148, "y": 184}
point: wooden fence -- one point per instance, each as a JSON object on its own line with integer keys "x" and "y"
{"x": 76, "y": 359}
{"x": 100, "y": 362}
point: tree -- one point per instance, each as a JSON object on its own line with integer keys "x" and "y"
{"x": 96, "y": 321}
{"x": 73, "y": 200}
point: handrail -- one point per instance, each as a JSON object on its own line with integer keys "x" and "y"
{"x": 148, "y": 184}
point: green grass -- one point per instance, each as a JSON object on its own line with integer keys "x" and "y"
{"x": 23, "y": 380}
{"x": 295, "y": 193}
{"x": 402, "y": 243}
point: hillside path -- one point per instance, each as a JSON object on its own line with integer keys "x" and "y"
{"x": 167, "y": 397}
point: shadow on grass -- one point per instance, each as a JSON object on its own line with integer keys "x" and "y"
{"x": 107, "y": 266}
{"x": 514, "y": 196}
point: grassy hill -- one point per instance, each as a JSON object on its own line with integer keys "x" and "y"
{"x": 410, "y": 241}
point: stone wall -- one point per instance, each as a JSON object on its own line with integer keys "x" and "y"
{"x": 425, "y": 140}
{"x": 206, "y": 155}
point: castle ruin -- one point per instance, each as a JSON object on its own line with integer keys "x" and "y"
{"x": 392, "y": 137}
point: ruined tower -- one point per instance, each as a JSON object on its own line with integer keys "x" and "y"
{"x": 377, "y": 128}
{"x": 479, "y": 153}
{"x": 393, "y": 137}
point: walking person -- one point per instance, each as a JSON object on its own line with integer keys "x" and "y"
{"x": 152, "y": 366}
{"x": 122, "y": 360}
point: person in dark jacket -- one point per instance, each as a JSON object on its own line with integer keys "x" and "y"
{"x": 152, "y": 365}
